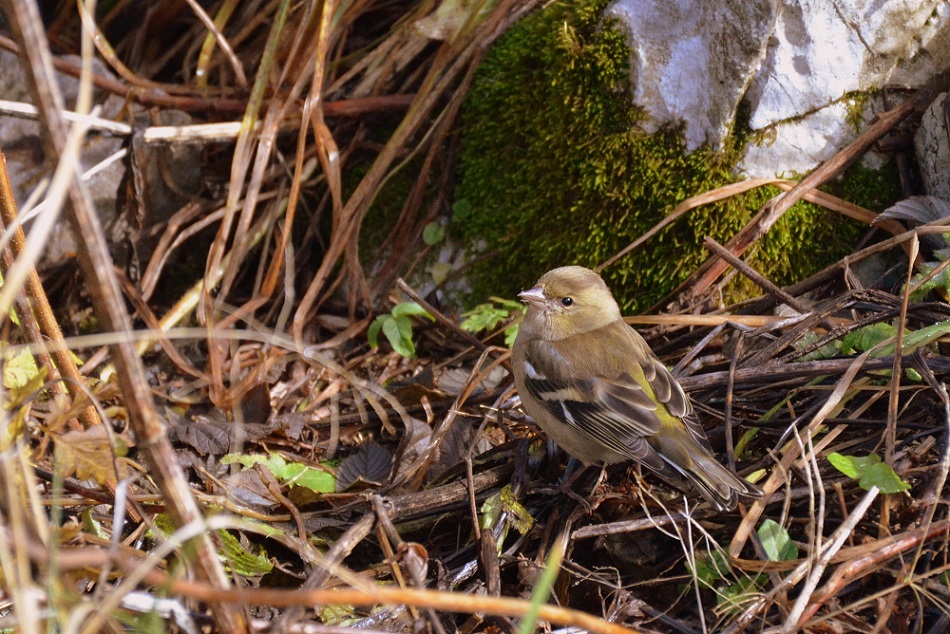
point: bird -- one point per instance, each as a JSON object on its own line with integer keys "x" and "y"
{"x": 595, "y": 387}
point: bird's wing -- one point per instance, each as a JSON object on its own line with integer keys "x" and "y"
{"x": 669, "y": 392}
{"x": 616, "y": 412}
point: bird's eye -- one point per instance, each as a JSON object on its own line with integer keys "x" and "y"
{"x": 567, "y": 301}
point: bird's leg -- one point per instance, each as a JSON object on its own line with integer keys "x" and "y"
{"x": 574, "y": 474}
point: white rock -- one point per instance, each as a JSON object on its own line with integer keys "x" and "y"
{"x": 821, "y": 51}
{"x": 793, "y": 148}
{"x": 794, "y": 62}
{"x": 693, "y": 60}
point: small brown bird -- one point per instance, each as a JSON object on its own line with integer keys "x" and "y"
{"x": 594, "y": 386}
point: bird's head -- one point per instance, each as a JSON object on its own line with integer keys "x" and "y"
{"x": 568, "y": 301}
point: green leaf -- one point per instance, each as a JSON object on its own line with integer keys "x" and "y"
{"x": 317, "y": 480}
{"x": 869, "y": 471}
{"x": 940, "y": 282}
{"x": 852, "y": 466}
{"x": 866, "y": 338}
{"x": 440, "y": 272}
{"x": 738, "y": 595}
{"x": 404, "y": 326}
{"x": 745, "y": 440}
{"x": 410, "y": 308}
{"x": 711, "y": 568}
{"x": 483, "y": 317}
{"x": 488, "y": 316}
{"x": 776, "y": 541}
{"x": 433, "y": 233}
{"x": 163, "y": 525}
{"x": 828, "y": 350}
{"x": 92, "y": 526}
{"x": 869, "y": 336}
{"x": 239, "y": 560}
{"x": 289, "y": 473}
{"x": 511, "y": 333}
{"x": 490, "y": 512}
{"x": 400, "y": 343}
{"x": 373, "y": 333}
{"x": 883, "y": 477}
{"x": 924, "y": 337}
{"x": 510, "y": 304}
{"x": 542, "y": 589}
{"x": 20, "y": 370}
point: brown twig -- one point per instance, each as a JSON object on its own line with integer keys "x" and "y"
{"x": 41, "y": 310}
{"x": 166, "y": 97}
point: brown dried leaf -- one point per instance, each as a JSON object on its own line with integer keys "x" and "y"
{"x": 211, "y": 433}
{"x": 247, "y": 487}
{"x": 87, "y": 454}
{"x": 371, "y": 463}
{"x": 206, "y": 436}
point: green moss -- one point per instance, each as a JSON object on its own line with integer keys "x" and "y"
{"x": 556, "y": 172}
{"x": 856, "y": 103}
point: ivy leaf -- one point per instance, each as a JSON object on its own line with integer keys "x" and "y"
{"x": 869, "y": 471}
{"x": 852, "y": 466}
{"x": 882, "y": 476}
{"x": 776, "y": 541}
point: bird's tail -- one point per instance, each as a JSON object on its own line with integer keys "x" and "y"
{"x": 683, "y": 458}
{"x": 717, "y": 484}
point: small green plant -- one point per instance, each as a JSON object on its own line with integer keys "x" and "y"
{"x": 939, "y": 283}
{"x": 776, "y": 541}
{"x": 397, "y": 326}
{"x": 713, "y": 568}
{"x": 869, "y": 471}
{"x": 489, "y": 315}
{"x": 290, "y": 473}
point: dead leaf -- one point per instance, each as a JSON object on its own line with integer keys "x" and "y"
{"x": 87, "y": 454}
{"x": 371, "y": 463}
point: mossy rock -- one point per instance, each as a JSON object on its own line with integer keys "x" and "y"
{"x": 553, "y": 170}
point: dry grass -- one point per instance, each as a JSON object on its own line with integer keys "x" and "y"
{"x": 119, "y": 511}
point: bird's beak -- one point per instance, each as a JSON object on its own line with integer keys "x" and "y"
{"x": 534, "y": 296}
